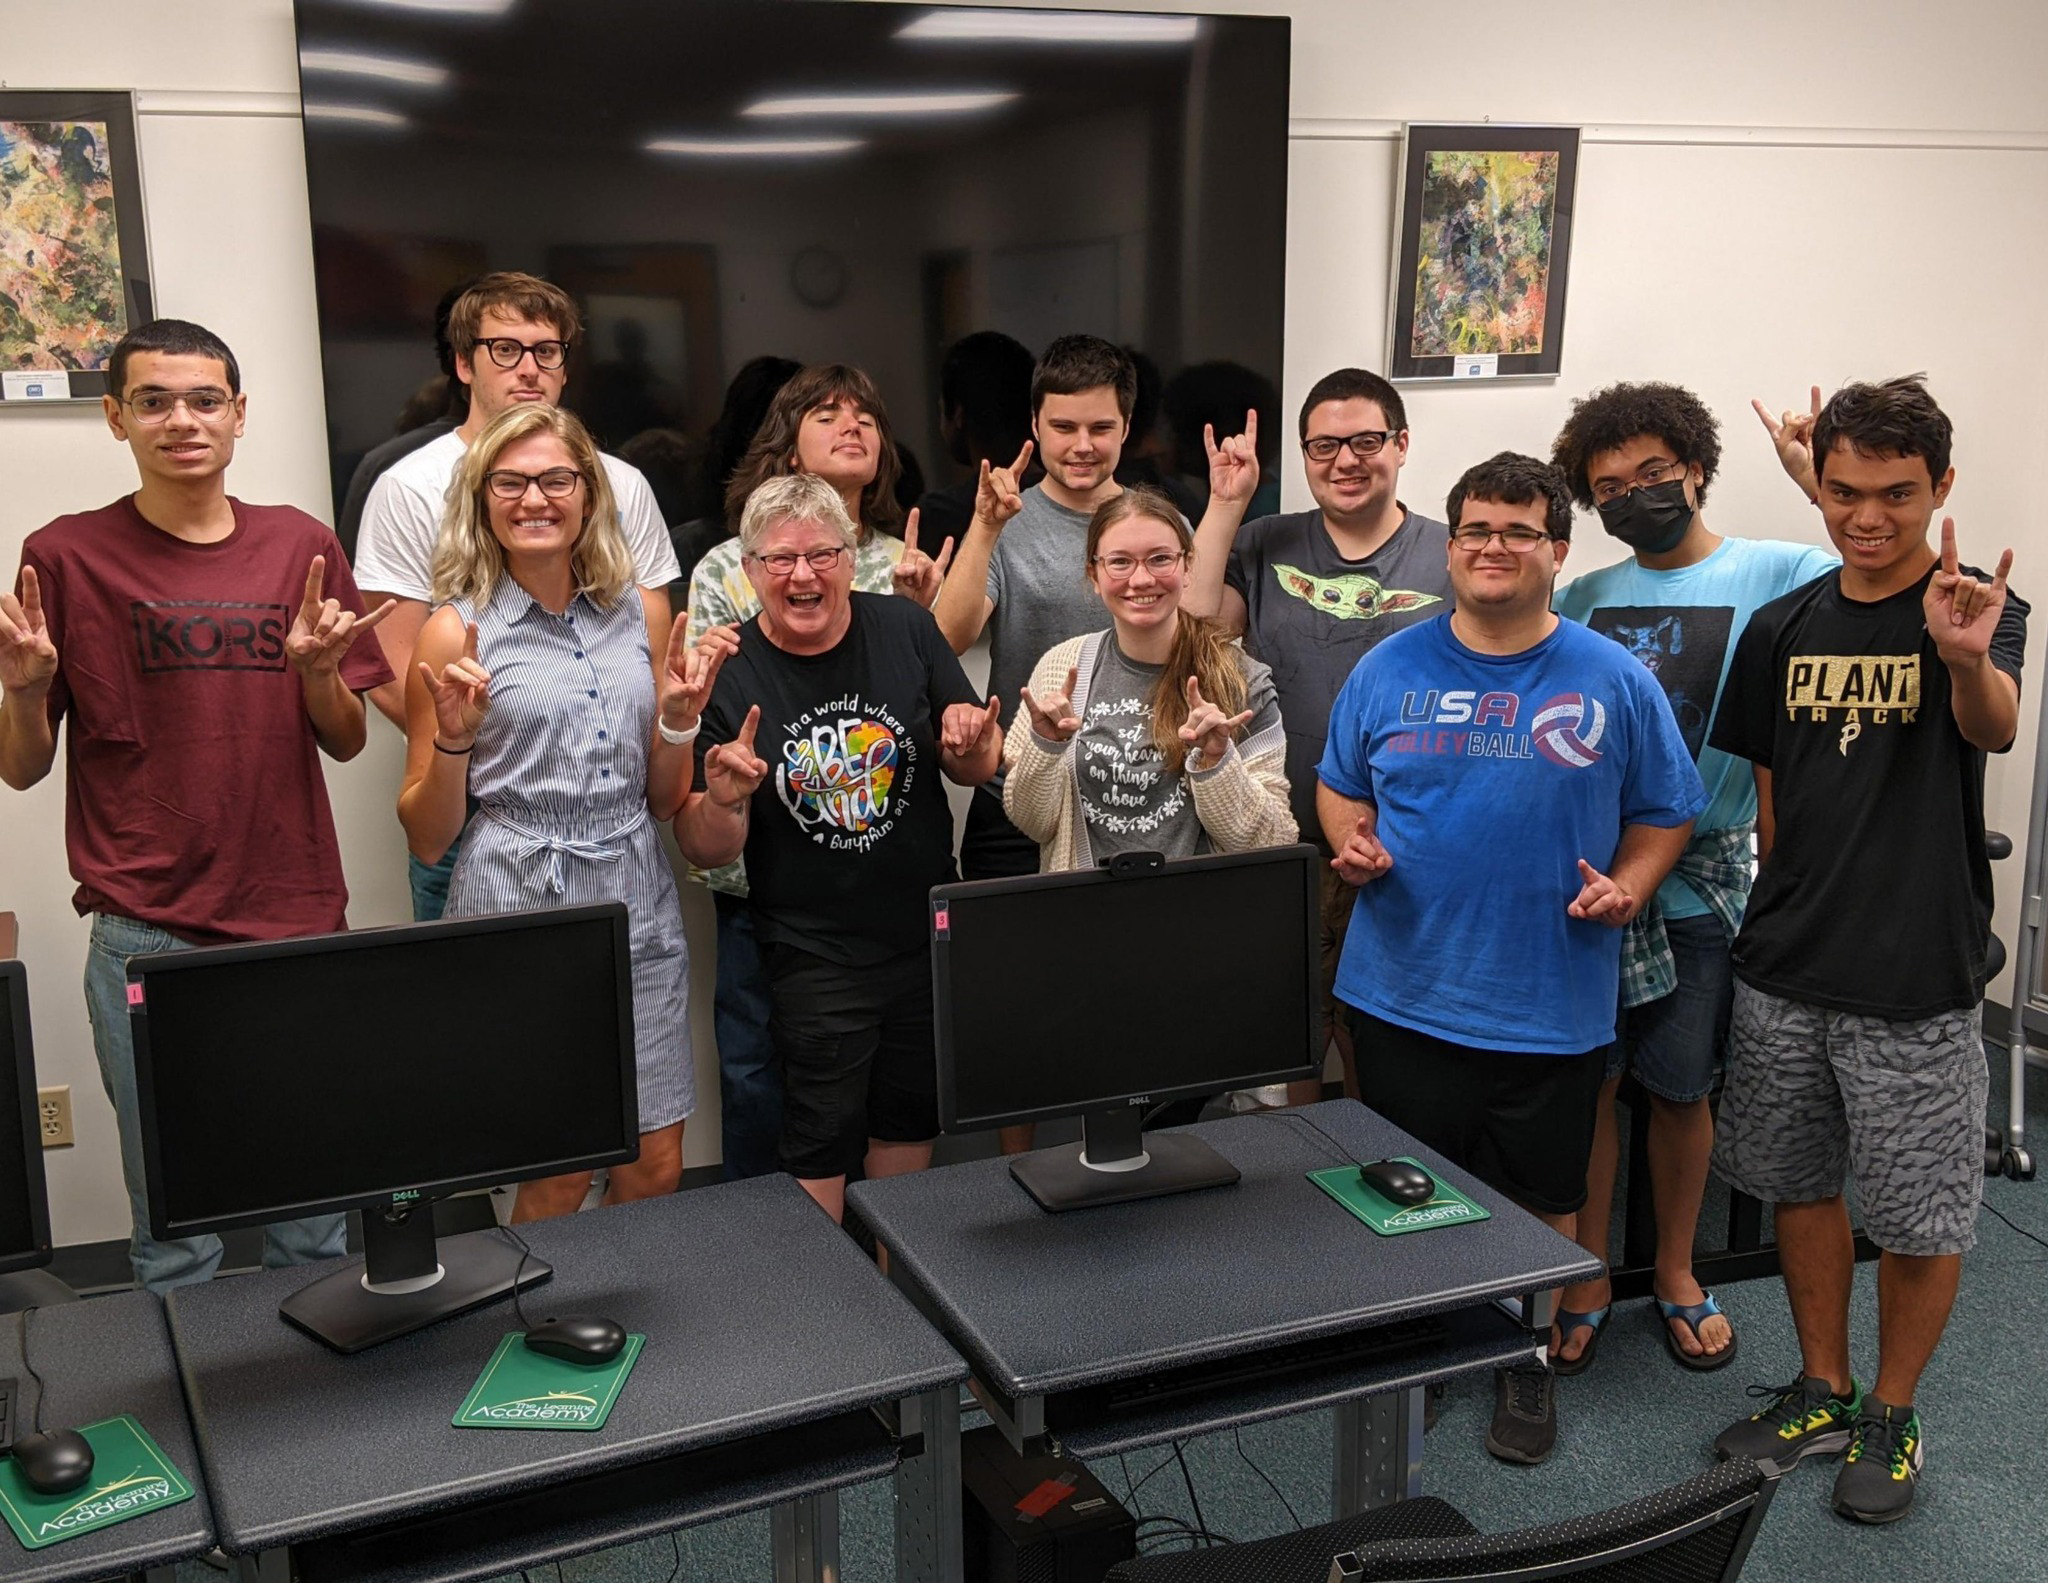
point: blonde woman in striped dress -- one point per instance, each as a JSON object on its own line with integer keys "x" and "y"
{"x": 535, "y": 695}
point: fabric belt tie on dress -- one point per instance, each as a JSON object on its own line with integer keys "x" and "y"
{"x": 547, "y": 876}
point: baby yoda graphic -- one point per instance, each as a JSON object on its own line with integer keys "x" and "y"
{"x": 1352, "y": 597}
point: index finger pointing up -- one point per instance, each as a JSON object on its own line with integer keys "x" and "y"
{"x": 678, "y": 642}
{"x": 1194, "y": 692}
{"x": 910, "y": 533}
{"x": 1023, "y": 460}
{"x": 1251, "y": 428}
{"x": 1949, "y": 562}
{"x": 747, "y": 728}
{"x": 469, "y": 641}
{"x": 31, "y": 596}
{"x": 316, "y": 583}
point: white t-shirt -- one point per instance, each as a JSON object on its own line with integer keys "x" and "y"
{"x": 402, "y": 521}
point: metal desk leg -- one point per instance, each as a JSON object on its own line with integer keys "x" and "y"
{"x": 1378, "y": 1452}
{"x": 928, "y": 1536}
{"x": 804, "y": 1536}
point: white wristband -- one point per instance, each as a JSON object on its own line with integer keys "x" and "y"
{"x": 677, "y": 739}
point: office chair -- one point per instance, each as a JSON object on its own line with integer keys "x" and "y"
{"x": 1696, "y": 1532}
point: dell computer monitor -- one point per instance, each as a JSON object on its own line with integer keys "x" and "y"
{"x": 1102, "y": 993}
{"x": 24, "y": 1200}
{"x": 379, "y": 1070}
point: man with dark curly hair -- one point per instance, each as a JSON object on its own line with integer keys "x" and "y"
{"x": 1643, "y": 456}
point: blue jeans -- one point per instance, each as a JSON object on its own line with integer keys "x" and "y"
{"x": 749, "y": 1077}
{"x": 429, "y": 882}
{"x": 161, "y": 1265}
{"x": 1677, "y": 1042}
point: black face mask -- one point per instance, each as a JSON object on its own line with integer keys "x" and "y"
{"x": 1649, "y": 520}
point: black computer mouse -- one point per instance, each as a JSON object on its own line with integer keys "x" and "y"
{"x": 578, "y": 1340}
{"x": 53, "y": 1461}
{"x": 1398, "y": 1182}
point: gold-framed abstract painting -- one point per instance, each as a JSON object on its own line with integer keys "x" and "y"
{"x": 1483, "y": 251}
{"x": 74, "y": 259}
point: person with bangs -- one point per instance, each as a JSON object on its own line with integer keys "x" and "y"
{"x": 827, "y": 421}
{"x": 1157, "y": 733}
{"x": 534, "y": 693}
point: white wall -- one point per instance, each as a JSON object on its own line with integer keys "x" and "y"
{"x": 1767, "y": 198}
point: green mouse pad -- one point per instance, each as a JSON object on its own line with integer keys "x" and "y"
{"x": 130, "y": 1478}
{"x": 1448, "y": 1207}
{"x": 523, "y": 1389}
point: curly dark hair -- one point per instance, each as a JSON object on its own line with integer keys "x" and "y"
{"x": 1515, "y": 480}
{"x": 1896, "y": 417}
{"x": 1608, "y": 419}
{"x": 773, "y": 451}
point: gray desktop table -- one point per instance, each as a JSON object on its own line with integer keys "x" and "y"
{"x": 100, "y": 1358}
{"x": 780, "y": 1367}
{"x": 1053, "y": 1310}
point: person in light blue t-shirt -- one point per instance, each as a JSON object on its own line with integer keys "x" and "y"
{"x": 1644, "y": 455}
{"x": 1506, "y": 789}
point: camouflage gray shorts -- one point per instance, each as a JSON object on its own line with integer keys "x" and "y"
{"x": 1812, "y": 1093}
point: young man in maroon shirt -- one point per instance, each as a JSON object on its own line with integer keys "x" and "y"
{"x": 203, "y": 654}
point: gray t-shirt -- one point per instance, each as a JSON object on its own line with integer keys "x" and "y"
{"x": 1311, "y": 615}
{"x": 1038, "y": 578}
{"x": 1130, "y": 800}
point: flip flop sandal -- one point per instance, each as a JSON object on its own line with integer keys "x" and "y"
{"x": 1595, "y": 1320}
{"x": 1692, "y": 1314}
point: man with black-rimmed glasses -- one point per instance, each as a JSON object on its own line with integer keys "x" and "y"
{"x": 1312, "y": 591}
{"x": 511, "y": 334}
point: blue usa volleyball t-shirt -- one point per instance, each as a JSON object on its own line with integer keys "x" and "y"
{"x": 1492, "y": 776}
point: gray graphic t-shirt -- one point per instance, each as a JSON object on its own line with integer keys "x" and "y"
{"x": 1311, "y": 615}
{"x": 1038, "y": 578}
{"x": 1130, "y": 799}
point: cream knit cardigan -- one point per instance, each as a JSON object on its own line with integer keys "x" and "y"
{"x": 1241, "y": 799}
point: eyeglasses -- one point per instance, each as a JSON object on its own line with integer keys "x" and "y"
{"x": 1119, "y": 567}
{"x": 506, "y": 351}
{"x": 557, "y": 483}
{"x": 153, "y": 406}
{"x": 1475, "y": 539}
{"x": 1324, "y": 447}
{"x": 781, "y": 563}
{"x": 1648, "y": 476}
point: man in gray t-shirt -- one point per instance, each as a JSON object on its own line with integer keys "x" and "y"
{"x": 1313, "y": 590}
{"x": 1021, "y": 570}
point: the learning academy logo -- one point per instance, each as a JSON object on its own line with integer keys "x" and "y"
{"x": 1434, "y": 1213}
{"x": 556, "y": 1407}
{"x": 117, "y": 1499}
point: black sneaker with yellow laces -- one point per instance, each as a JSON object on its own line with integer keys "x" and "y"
{"x": 1886, "y": 1450}
{"x": 1803, "y": 1419}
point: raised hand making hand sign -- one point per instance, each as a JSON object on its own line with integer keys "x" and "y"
{"x": 918, "y": 575}
{"x": 1000, "y": 495}
{"x": 1208, "y": 731}
{"x": 689, "y": 671}
{"x": 1792, "y": 437}
{"x": 1362, "y": 858}
{"x": 1962, "y": 611}
{"x": 1052, "y": 718}
{"x": 461, "y": 694}
{"x": 1233, "y": 463}
{"x": 28, "y": 657}
{"x": 323, "y": 632}
{"x": 732, "y": 770}
{"x": 967, "y": 730}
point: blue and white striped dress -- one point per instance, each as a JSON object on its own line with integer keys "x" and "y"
{"x": 559, "y": 774}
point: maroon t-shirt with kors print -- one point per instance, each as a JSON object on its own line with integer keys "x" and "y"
{"x": 194, "y": 799}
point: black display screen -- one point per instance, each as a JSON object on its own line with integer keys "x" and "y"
{"x": 24, "y": 1208}
{"x": 333, "y": 1072}
{"x": 1063, "y": 993}
{"x": 820, "y": 180}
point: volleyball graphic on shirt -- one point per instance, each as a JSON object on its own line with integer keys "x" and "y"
{"x": 1567, "y": 730}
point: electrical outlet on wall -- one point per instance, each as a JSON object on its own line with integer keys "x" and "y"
{"x": 53, "y": 1114}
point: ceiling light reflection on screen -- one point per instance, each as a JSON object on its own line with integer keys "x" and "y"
{"x": 963, "y": 102}
{"x": 483, "y": 8}
{"x": 383, "y": 68}
{"x": 1051, "y": 27}
{"x": 355, "y": 114}
{"x": 751, "y": 148}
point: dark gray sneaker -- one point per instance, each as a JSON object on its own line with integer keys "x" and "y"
{"x": 1524, "y": 1427}
{"x": 1886, "y": 1450}
{"x": 1803, "y": 1419}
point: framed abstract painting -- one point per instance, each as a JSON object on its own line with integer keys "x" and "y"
{"x": 74, "y": 260}
{"x": 1483, "y": 251}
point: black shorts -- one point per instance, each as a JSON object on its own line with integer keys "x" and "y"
{"x": 855, "y": 1047}
{"x": 991, "y": 847}
{"x": 1521, "y": 1123}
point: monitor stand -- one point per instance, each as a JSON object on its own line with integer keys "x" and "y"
{"x": 408, "y": 1280}
{"x": 1115, "y": 1162}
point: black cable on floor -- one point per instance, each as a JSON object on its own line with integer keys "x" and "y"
{"x": 2022, "y": 1230}
{"x": 1188, "y": 1479}
{"x": 1238, "y": 1441}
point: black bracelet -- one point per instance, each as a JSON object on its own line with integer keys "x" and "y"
{"x": 454, "y": 753}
